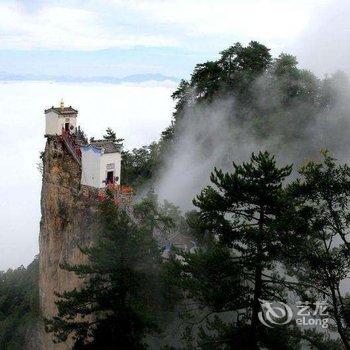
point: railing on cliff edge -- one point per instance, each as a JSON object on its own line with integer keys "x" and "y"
{"x": 71, "y": 145}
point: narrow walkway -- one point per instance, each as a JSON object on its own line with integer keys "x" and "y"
{"x": 71, "y": 146}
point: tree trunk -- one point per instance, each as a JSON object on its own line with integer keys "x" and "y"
{"x": 257, "y": 286}
{"x": 338, "y": 320}
{"x": 256, "y": 307}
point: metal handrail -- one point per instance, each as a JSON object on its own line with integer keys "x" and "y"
{"x": 71, "y": 146}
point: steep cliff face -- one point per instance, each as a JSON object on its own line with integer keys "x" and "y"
{"x": 69, "y": 220}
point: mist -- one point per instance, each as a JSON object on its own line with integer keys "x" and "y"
{"x": 212, "y": 135}
{"x": 324, "y": 46}
{"x": 206, "y": 140}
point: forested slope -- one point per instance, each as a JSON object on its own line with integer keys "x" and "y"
{"x": 19, "y": 306}
{"x": 245, "y": 101}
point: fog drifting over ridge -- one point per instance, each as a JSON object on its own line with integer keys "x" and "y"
{"x": 323, "y": 47}
{"x": 211, "y": 135}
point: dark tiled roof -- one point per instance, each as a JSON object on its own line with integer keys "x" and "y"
{"x": 108, "y": 146}
{"x": 62, "y": 111}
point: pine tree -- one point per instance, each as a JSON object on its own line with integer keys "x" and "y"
{"x": 246, "y": 217}
{"x": 112, "y": 136}
{"x": 117, "y": 304}
{"x": 322, "y": 263}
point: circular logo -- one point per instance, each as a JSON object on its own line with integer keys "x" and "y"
{"x": 274, "y": 313}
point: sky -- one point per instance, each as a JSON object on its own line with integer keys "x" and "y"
{"x": 122, "y": 38}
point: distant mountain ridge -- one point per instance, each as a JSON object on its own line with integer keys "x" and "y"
{"x": 135, "y": 78}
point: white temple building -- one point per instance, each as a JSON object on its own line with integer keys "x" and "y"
{"x": 100, "y": 160}
{"x": 60, "y": 118}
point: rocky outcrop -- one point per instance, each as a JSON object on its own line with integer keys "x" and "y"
{"x": 69, "y": 221}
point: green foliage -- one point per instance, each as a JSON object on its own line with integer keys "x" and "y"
{"x": 295, "y": 85}
{"x": 139, "y": 165}
{"x": 255, "y": 230}
{"x": 119, "y": 302}
{"x": 247, "y": 215}
{"x": 207, "y": 79}
{"x": 231, "y": 76}
{"x": 269, "y": 97}
{"x": 322, "y": 263}
{"x": 40, "y": 163}
{"x": 237, "y": 67}
{"x": 19, "y": 305}
{"x": 112, "y": 136}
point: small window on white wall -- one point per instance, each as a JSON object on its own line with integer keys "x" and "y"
{"x": 110, "y": 166}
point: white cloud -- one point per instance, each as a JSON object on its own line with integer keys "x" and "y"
{"x": 119, "y": 23}
{"x": 58, "y": 27}
{"x": 324, "y": 47}
{"x": 269, "y": 20}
